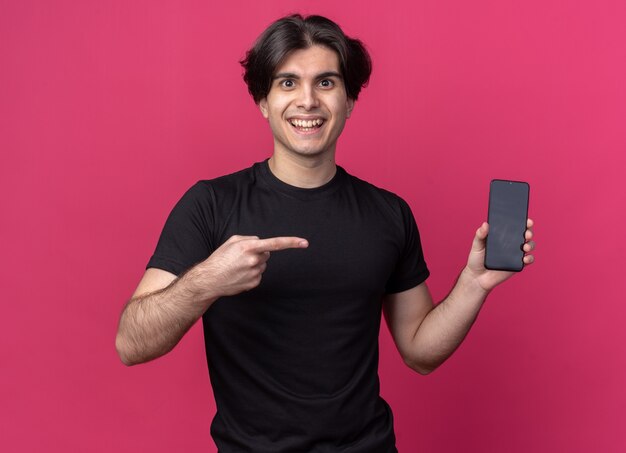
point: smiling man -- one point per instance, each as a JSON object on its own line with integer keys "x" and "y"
{"x": 292, "y": 341}
{"x": 307, "y": 107}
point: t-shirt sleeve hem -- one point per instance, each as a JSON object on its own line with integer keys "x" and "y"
{"x": 166, "y": 264}
{"x": 408, "y": 284}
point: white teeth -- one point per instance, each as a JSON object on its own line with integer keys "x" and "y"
{"x": 307, "y": 123}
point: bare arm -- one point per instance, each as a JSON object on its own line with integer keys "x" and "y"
{"x": 165, "y": 307}
{"x": 161, "y": 311}
{"x": 427, "y": 336}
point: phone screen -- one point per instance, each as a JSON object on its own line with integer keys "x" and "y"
{"x": 508, "y": 211}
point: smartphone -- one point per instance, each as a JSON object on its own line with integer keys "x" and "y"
{"x": 508, "y": 211}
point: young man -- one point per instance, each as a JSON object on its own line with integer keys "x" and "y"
{"x": 291, "y": 262}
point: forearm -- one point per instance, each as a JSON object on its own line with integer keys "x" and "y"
{"x": 152, "y": 324}
{"x": 445, "y": 327}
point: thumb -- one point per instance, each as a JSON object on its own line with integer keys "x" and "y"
{"x": 479, "y": 240}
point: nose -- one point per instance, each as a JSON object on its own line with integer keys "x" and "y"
{"x": 307, "y": 97}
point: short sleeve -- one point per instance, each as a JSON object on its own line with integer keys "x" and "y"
{"x": 186, "y": 238}
{"x": 411, "y": 269}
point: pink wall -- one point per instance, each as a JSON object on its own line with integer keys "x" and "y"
{"x": 109, "y": 110}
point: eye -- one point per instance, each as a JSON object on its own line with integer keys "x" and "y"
{"x": 326, "y": 83}
{"x": 287, "y": 83}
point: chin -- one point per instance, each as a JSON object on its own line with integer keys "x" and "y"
{"x": 310, "y": 152}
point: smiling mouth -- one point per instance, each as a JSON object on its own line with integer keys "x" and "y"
{"x": 306, "y": 125}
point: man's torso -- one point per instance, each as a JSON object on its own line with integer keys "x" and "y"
{"x": 293, "y": 362}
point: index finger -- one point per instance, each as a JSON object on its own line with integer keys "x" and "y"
{"x": 280, "y": 243}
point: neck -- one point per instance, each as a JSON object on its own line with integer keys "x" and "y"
{"x": 303, "y": 172}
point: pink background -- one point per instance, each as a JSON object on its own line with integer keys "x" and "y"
{"x": 110, "y": 110}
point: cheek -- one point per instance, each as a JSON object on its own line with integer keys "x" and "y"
{"x": 276, "y": 114}
{"x": 277, "y": 123}
{"x": 339, "y": 106}
{"x": 341, "y": 112}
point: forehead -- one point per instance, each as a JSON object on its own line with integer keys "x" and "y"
{"x": 310, "y": 61}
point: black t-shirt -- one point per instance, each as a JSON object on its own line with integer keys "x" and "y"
{"x": 294, "y": 362}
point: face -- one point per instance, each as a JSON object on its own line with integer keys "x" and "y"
{"x": 307, "y": 105}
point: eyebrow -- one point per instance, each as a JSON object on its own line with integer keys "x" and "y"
{"x": 291, "y": 75}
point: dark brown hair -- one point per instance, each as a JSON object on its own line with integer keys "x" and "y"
{"x": 296, "y": 32}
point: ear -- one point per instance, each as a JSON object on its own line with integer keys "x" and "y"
{"x": 263, "y": 108}
{"x": 349, "y": 107}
